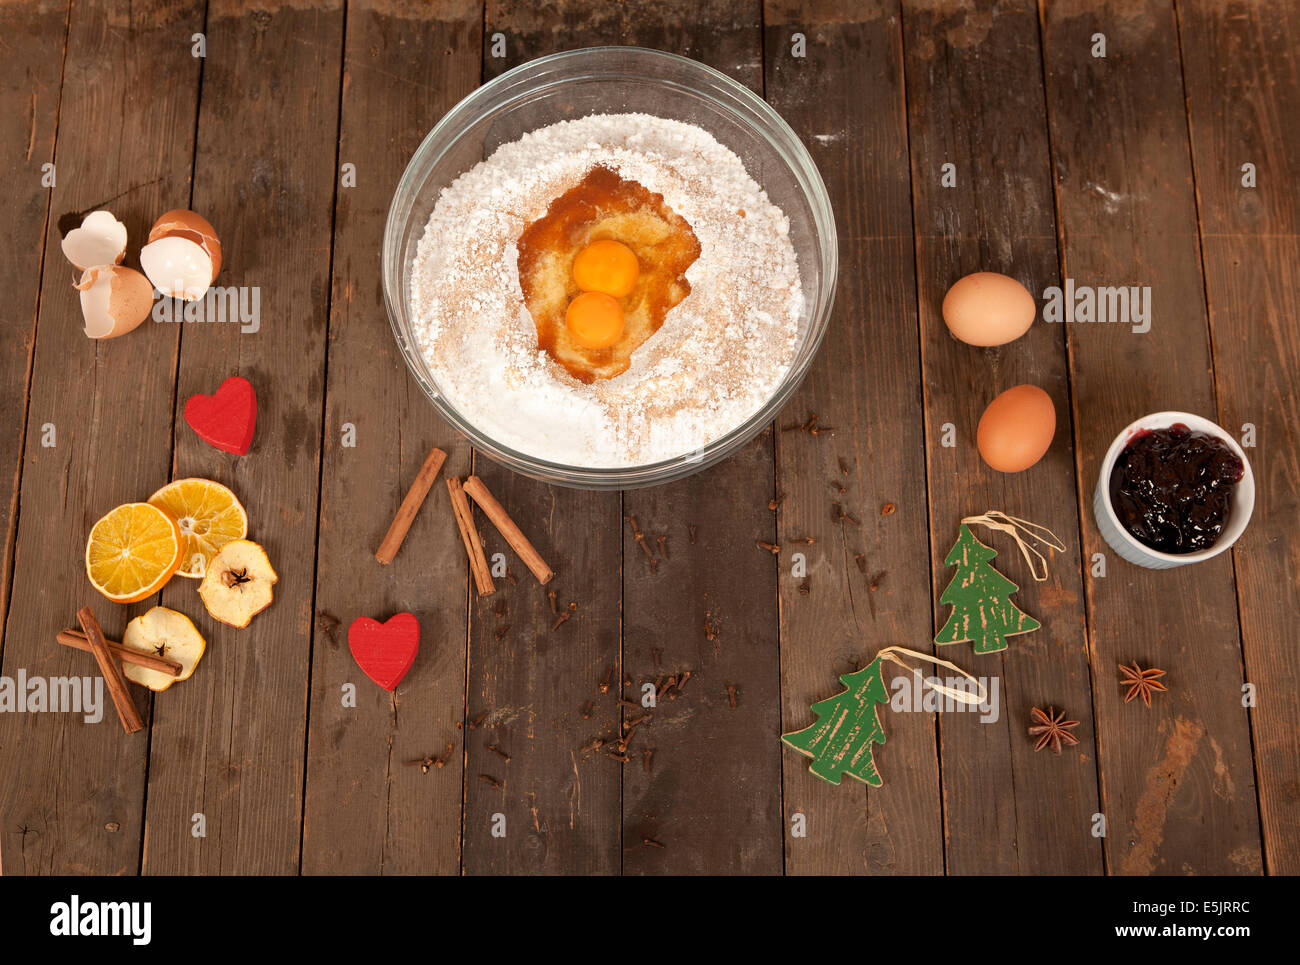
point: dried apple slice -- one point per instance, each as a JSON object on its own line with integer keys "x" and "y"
{"x": 168, "y": 634}
{"x": 237, "y": 584}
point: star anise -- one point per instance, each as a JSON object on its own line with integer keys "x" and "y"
{"x": 1051, "y": 729}
{"x": 1141, "y": 683}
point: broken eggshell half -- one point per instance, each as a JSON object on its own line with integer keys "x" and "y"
{"x": 183, "y": 255}
{"x": 101, "y": 240}
{"x": 114, "y": 300}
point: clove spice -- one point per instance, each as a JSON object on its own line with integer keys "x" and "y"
{"x": 639, "y": 536}
{"x": 841, "y": 515}
{"x": 424, "y": 763}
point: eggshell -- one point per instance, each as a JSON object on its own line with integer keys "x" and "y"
{"x": 114, "y": 300}
{"x": 182, "y": 223}
{"x": 178, "y": 267}
{"x": 988, "y": 309}
{"x": 101, "y": 240}
{"x": 1016, "y": 429}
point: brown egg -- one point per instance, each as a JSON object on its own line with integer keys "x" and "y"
{"x": 1016, "y": 429}
{"x": 114, "y": 300}
{"x": 988, "y": 309}
{"x": 192, "y": 227}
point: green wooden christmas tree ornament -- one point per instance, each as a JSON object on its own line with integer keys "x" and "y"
{"x": 847, "y": 725}
{"x": 982, "y": 611}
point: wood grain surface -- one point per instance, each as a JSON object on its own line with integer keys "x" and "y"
{"x": 110, "y": 405}
{"x": 1242, "y": 86}
{"x": 357, "y": 758}
{"x": 31, "y": 82}
{"x": 867, "y": 583}
{"x": 231, "y": 746}
{"x": 975, "y": 101}
{"x": 533, "y": 689}
{"x": 1147, "y": 143}
{"x": 1126, "y": 213}
{"x": 693, "y": 612}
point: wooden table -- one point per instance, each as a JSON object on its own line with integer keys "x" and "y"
{"x": 1126, "y": 169}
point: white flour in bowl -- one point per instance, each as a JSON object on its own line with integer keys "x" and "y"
{"x": 720, "y": 355}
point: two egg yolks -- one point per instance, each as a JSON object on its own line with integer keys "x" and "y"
{"x": 605, "y": 271}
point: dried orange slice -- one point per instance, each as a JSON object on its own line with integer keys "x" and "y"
{"x": 132, "y": 552}
{"x": 209, "y": 516}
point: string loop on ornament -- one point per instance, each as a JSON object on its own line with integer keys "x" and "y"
{"x": 1028, "y": 536}
{"x": 961, "y": 696}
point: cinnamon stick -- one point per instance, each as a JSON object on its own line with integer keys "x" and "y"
{"x": 506, "y": 526}
{"x": 113, "y": 678}
{"x": 410, "y": 506}
{"x": 478, "y": 564}
{"x": 77, "y": 640}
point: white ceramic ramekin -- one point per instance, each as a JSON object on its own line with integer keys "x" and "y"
{"x": 1123, "y": 543}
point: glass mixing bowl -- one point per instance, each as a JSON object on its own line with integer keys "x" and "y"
{"x": 613, "y": 80}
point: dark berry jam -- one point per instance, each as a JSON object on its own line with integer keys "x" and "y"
{"x": 1172, "y": 488}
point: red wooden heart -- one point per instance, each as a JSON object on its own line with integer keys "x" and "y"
{"x": 385, "y": 651}
{"x": 226, "y": 419}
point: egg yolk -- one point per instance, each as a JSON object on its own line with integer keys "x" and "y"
{"x": 606, "y": 266}
{"x": 595, "y": 319}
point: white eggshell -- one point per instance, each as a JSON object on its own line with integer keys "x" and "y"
{"x": 101, "y": 240}
{"x": 114, "y": 300}
{"x": 178, "y": 267}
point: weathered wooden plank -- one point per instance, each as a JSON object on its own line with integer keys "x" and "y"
{"x": 230, "y": 743}
{"x": 30, "y": 80}
{"x": 528, "y": 684}
{"x": 867, "y": 585}
{"x": 366, "y": 811}
{"x": 975, "y": 100}
{"x": 711, "y": 812}
{"x": 74, "y": 799}
{"x": 1179, "y": 789}
{"x": 1243, "y": 95}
